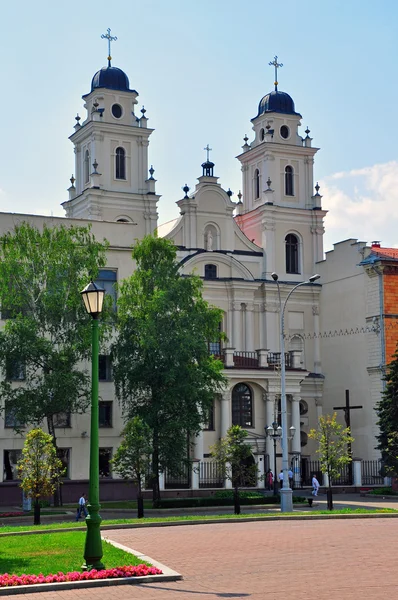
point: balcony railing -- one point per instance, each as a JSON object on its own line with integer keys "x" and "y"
{"x": 259, "y": 359}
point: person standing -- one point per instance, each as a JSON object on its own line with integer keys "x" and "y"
{"x": 269, "y": 480}
{"x": 81, "y": 507}
{"x": 290, "y": 474}
{"x": 315, "y": 485}
{"x": 280, "y": 479}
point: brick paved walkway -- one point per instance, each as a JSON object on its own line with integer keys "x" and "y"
{"x": 297, "y": 560}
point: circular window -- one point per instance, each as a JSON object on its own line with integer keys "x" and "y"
{"x": 303, "y": 407}
{"x": 262, "y": 134}
{"x": 285, "y": 132}
{"x": 117, "y": 111}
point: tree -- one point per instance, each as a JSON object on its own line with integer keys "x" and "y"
{"x": 39, "y": 468}
{"x": 387, "y": 411}
{"x": 231, "y": 454}
{"x": 47, "y": 332}
{"x": 163, "y": 370}
{"x": 132, "y": 459}
{"x": 333, "y": 448}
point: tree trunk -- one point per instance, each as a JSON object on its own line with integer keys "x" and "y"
{"x": 330, "y": 497}
{"x": 51, "y": 431}
{"x": 140, "y": 501}
{"x": 236, "y": 501}
{"x": 36, "y": 514}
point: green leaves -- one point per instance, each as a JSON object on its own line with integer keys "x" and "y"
{"x": 231, "y": 454}
{"x": 387, "y": 411}
{"x": 133, "y": 457}
{"x": 333, "y": 440}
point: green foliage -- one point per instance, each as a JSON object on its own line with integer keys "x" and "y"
{"x": 39, "y": 468}
{"x": 387, "y": 411}
{"x": 133, "y": 457}
{"x": 47, "y": 331}
{"x": 162, "y": 368}
{"x": 230, "y": 453}
{"x": 230, "y": 494}
{"x": 333, "y": 440}
{"x": 384, "y": 491}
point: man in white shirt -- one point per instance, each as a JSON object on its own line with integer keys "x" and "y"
{"x": 315, "y": 485}
{"x": 290, "y": 474}
{"x": 81, "y": 507}
{"x": 280, "y": 477}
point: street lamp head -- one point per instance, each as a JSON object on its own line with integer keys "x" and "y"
{"x": 269, "y": 430}
{"x": 279, "y": 430}
{"x": 274, "y": 276}
{"x": 93, "y": 298}
{"x": 292, "y": 431}
{"x": 314, "y": 278}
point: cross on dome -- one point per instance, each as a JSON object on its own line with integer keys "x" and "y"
{"x": 110, "y": 39}
{"x": 208, "y": 149}
{"x": 277, "y": 65}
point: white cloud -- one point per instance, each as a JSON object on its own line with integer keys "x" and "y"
{"x": 363, "y": 204}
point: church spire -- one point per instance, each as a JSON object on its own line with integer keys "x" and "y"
{"x": 277, "y": 65}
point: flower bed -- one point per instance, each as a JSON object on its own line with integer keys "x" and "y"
{"x": 7, "y": 580}
{"x": 11, "y": 514}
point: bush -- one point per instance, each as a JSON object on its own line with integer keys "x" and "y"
{"x": 384, "y": 491}
{"x": 224, "y": 501}
{"x": 243, "y": 494}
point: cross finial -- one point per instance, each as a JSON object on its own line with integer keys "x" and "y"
{"x": 275, "y": 64}
{"x": 208, "y": 149}
{"x": 110, "y": 39}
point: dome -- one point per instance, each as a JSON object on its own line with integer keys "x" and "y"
{"x": 276, "y": 101}
{"x": 111, "y": 78}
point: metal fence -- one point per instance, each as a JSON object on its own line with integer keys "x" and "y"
{"x": 371, "y": 472}
{"x": 180, "y": 480}
{"x": 210, "y": 475}
{"x": 246, "y": 360}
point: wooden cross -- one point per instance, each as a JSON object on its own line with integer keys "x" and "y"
{"x": 110, "y": 39}
{"x": 274, "y": 63}
{"x": 347, "y": 408}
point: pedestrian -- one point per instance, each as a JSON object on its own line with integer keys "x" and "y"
{"x": 290, "y": 474}
{"x": 81, "y": 507}
{"x": 315, "y": 485}
{"x": 269, "y": 480}
{"x": 280, "y": 477}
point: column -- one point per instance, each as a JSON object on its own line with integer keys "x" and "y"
{"x": 195, "y": 470}
{"x": 261, "y": 316}
{"x": 249, "y": 328}
{"x": 317, "y": 341}
{"x": 260, "y": 470}
{"x": 269, "y": 418}
{"x": 237, "y": 331}
{"x": 296, "y": 441}
{"x": 357, "y": 471}
{"x": 161, "y": 481}
{"x": 225, "y": 413}
{"x": 198, "y": 448}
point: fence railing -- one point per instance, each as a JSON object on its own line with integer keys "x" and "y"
{"x": 180, "y": 480}
{"x": 371, "y": 472}
{"x": 246, "y": 360}
{"x": 210, "y": 475}
{"x": 274, "y": 359}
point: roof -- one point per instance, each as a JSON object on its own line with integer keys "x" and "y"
{"x": 379, "y": 254}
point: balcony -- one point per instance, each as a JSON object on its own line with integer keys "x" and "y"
{"x": 259, "y": 359}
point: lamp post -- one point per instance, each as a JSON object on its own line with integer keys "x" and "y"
{"x": 286, "y": 492}
{"x": 275, "y": 432}
{"x": 93, "y": 298}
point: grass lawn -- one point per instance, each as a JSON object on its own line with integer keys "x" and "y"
{"x": 170, "y": 519}
{"x": 54, "y": 552}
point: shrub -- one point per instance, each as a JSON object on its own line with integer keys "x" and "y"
{"x": 384, "y": 491}
{"x": 213, "y": 501}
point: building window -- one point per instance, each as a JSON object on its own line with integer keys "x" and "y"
{"x": 120, "y": 163}
{"x": 62, "y": 420}
{"x": 10, "y": 420}
{"x": 209, "y": 420}
{"x": 86, "y": 167}
{"x": 242, "y": 406}
{"x": 64, "y": 456}
{"x": 210, "y": 271}
{"x": 105, "y": 455}
{"x": 15, "y": 370}
{"x": 11, "y": 458}
{"x": 107, "y": 280}
{"x": 262, "y": 135}
{"x": 105, "y": 367}
{"x": 105, "y": 414}
{"x": 256, "y": 184}
{"x": 289, "y": 188}
{"x": 284, "y": 132}
{"x": 292, "y": 253}
{"x": 117, "y": 111}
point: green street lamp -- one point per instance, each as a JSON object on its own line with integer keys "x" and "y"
{"x": 93, "y": 298}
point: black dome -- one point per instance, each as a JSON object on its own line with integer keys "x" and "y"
{"x": 111, "y": 78}
{"x": 276, "y": 101}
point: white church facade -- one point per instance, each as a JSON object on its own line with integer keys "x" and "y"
{"x": 276, "y": 226}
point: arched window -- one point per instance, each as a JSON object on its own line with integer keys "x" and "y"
{"x": 86, "y": 167}
{"x": 120, "y": 171}
{"x": 289, "y": 187}
{"x": 210, "y": 271}
{"x": 256, "y": 184}
{"x": 242, "y": 406}
{"x": 292, "y": 254}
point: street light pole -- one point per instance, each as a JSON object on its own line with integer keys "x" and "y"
{"x": 275, "y": 432}
{"x": 93, "y": 297}
{"x": 286, "y": 492}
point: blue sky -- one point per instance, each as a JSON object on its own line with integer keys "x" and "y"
{"x": 200, "y": 69}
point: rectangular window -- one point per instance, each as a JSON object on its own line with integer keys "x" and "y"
{"x": 62, "y": 419}
{"x": 107, "y": 279}
{"x": 15, "y": 370}
{"x": 11, "y": 458}
{"x": 105, "y": 414}
{"x": 209, "y": 423}
{"x": 64, "y": 456}
{"x": 105, "y": 367}
{"x": 105, "y": 455}
{"x": 10, "y": 421}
